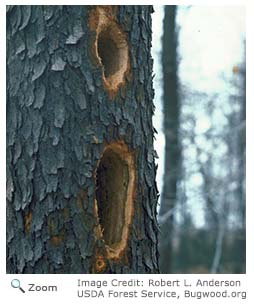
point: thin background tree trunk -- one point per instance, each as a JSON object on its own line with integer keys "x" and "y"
{"x": 171, "y": 129}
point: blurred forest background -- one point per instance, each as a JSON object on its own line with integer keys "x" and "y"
{"x": 200, "y": 84}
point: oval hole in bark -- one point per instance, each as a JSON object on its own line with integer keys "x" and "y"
{"x": 109, "y": 53}
{"x": 115, "y": 176}
{"x": 112, "y": 50}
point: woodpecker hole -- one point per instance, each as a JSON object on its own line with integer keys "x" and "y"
{"x": 111, "y": 49}
{"x": 112, "y": 184}
{"x": 115, "y": 176}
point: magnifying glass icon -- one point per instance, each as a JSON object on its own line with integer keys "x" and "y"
{"x": 15, "y": 283}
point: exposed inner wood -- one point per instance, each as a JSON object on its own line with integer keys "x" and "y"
{"x": 115, "y": 177}
{"x": 100, "y": 265}
{"x": 111, "y": 49}
{"x": 28, "y": 221}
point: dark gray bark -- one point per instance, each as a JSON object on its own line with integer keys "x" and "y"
{"x": 60, "y": 118}
{"x": 171, "y": 129}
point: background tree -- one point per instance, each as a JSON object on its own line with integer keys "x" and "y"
{"x": 171, "y": 108}
{"x": 81, "y": 192}
{"x": 208, "y": 215}
{"x": 216, "y": 158}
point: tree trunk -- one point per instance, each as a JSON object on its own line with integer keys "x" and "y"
{"x": 81, "y": 191}
{"x": 171, "y": 127}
